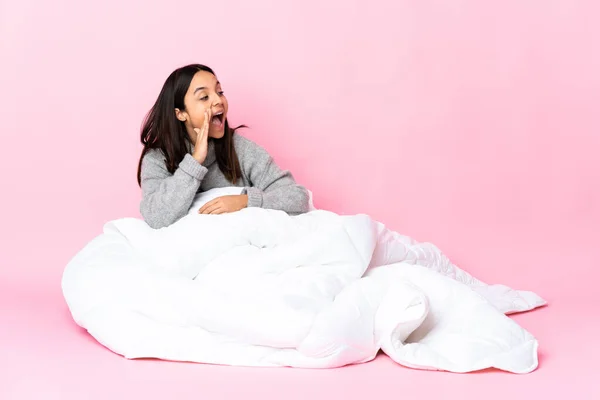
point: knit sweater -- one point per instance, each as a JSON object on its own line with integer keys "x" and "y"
{"x": 167, "y": 197}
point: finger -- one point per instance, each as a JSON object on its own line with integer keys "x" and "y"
{"x": 203, "y": 208}
{"x": 207, "y": 117}
{"x": 207, "y": 205}
{"x": 201, "y": 133}
{"x": 198, "y": 135}
{"x": 218, "y": 211}
{"x": 205, "y": 127}
{"x": 211, "y": 206}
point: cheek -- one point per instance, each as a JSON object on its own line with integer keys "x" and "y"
{"x": 197, "y": 118}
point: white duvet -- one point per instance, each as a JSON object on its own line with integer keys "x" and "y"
{"x": 319, "y": 290}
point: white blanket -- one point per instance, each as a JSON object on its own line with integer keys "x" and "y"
{"x": 261, "y": 288}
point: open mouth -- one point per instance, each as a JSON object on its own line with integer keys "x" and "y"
{"x": 217, "y": 119}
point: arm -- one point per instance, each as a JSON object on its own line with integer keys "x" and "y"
{"x": 167, "y": 197}
{"x": 271, "y": 187}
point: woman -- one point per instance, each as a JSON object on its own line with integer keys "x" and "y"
{"x": 189, "y": 148}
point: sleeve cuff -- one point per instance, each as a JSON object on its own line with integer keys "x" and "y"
{"x": 255, "y": 196}
{"x": 192, "y": 167}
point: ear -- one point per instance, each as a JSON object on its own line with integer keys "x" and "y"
{"x": 181, "y": 115}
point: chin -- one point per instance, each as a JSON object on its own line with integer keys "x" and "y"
{"x": 217, "y": 135}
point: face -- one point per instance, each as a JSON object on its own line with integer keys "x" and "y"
{"x": 205, "y": 93}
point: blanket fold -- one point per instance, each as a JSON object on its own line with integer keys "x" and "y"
{"x": 319, "y": 290}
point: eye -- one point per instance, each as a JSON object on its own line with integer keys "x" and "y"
{"x": 221, "y": 93}
{"x": 204, "y": 98}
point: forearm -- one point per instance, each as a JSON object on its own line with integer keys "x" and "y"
{"x": 166, "y": 199}
{"x": 291, "y": 198}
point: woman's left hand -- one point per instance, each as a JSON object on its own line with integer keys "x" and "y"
{"x": 225, "y": 204}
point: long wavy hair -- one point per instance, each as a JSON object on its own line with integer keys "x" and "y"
{"x": 162, "y": 130}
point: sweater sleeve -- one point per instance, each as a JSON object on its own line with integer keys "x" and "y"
{"x": 167, "y": 197}
{"x": 270, "y": 186}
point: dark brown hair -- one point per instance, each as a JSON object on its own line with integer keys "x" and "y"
{"x": 162, "y": 130}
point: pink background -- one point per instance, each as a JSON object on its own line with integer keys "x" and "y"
{"x": 471, "y": 124}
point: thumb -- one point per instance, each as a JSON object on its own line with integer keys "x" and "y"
{"x": 199, "y": 134}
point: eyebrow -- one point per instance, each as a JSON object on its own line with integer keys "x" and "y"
{"x": 203, "y": 87}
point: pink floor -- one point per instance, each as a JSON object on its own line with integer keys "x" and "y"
{"x": 50, "y": 358}
{"x": 44, "y": 355}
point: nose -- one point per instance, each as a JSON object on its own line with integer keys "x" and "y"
{"x": 216, "y": 101}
